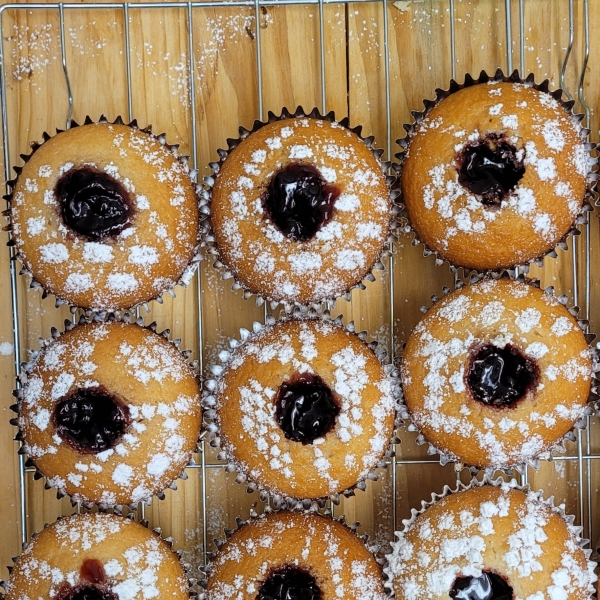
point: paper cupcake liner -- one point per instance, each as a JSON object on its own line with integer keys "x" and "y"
{"x": 26, "y": 367}
{"x": 188, "y": 272}
{"x": 212, "y": 431}
{"x": 353, "y": 527}
{"x": 592, "y": 407}
{"x": 575, "y": 530}
{"x": 514, "y": 77}
{"x": 208, "y": 238}
{"x": 192, "y": 581}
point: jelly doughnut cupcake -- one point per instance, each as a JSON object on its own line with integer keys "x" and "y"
{"x": 303, "y": 408}
{"x": 105, "y": 216}
{"x": 294, "y": 556}
{"x": 497, "y": 373}
{"x": 491, "y": 541}
{"x": 97, "y": 556}
{"x": 495, "y": 173}
{"x": 109, "y": 413}
{"x": 300, "y": 208}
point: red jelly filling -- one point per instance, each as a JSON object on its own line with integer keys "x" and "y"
{"x": 490, "y": 168}
{"x": 91, "y": 420}
{"x": 500, "y": 376}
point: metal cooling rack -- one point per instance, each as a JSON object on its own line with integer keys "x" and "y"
{"x": 581, "y": 293}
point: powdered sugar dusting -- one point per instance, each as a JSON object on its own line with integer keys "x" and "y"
{"x": 362, "y": 426}
{"x": 460, "y": 536}
{"x": 164, "y": 412}
{"x": 497, "y": 313}
{"x": 253, "y": 247}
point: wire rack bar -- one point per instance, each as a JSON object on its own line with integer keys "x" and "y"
{"x": 584, "y": 456}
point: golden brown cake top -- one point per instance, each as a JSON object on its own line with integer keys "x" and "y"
{"x": 100, "y": 551}
{"x": 260, "y": 237}
{"x": 329, "y": 555}
{"x": 491, "y": 337}
{"x": 267, "y": 441}
{"x": 105, "y": 216}
{"x": 128, "y": 372}
{"x": 489, "y": 528}
{"x": 495, "y": 175}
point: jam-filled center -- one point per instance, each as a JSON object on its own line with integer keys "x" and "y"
{"x": 92, "y": 203}
{"x": 91, "y": 420}
{"x": 299, "y": 201}
{"x": 490, "y": 586}
{"x": 490, "y": 167}
{"x": 305, "y": 408}
{"x": 289, "y": 583}
{"x": 500, "y": 376}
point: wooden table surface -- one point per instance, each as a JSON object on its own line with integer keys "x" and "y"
{"x": 226, "y": 86}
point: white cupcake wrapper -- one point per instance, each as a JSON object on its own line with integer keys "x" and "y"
{"x": 592, "y": 407}
{"x": 26, "y": 367}
{"x": 208, "y": 239}
{"x": 575, "y": 530}
{"x": 211, "y": 429}
{"x": 192, "y": 581}
{"x": 353, "y": 527}
{"x": 188, "y": 272}
{"x": 514, "y": 77}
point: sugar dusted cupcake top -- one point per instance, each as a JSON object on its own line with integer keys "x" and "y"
{"x": 97, "y": 556}
{"x": 496, "y": 541}
{"x": 294, "y": 556}
{"x": 300, "y": 210}
{"x": 496, "y": 373}
{"x": 110, "y": 413}
{"x": 304, "y": 408}
{"x": 495, "y": 175}
{"x": 105, "y": 216}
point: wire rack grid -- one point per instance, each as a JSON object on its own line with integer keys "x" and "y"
{"x": 581, "y": 291}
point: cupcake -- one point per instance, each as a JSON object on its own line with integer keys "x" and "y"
{"x": 109, "y": 413}
{"x": 495, "y": 172}
{"x": 97, "y": 557}
{"x": 303, "y": 408}
{"x": 497, "y": 373}
{"x": 490, "y": 541}
{"x": 105, "y": 216}
{"x": 294, "y": 555}
{"x": 300, "y": 208}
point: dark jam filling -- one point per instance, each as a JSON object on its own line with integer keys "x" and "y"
{"x": 92, "y": 203}
{"x": 489, "y": 586}
{"x": 500, "y": 376}
{"x": 289, "y": 583}
{"x": 86, "y": 592}
{"x": 299, "y": 201}
{"x": 91, "y": 420}
{"x": 490, "y": 168}
{"x": 92, "y": 571}
{"x": 305, "y": 408}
